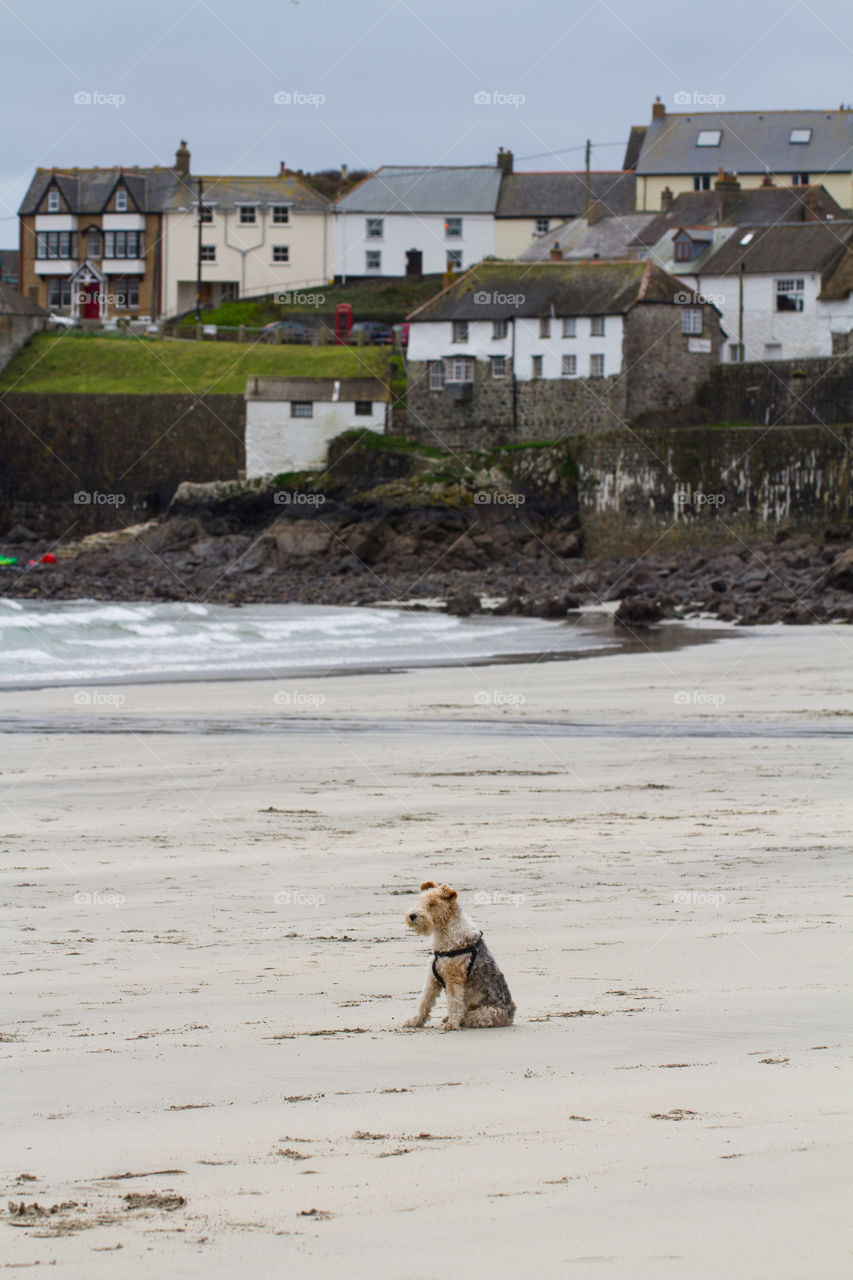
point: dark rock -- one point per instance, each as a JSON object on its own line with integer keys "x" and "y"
{"x": 719, "y": 585}
{"x": 841, "y": 573}
{"x": 462, "y": 604}
{"x": 638, "y": 611}
{"x": 18, "y": 534}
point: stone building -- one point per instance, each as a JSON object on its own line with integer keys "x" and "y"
{"x": 290, "y": 421}
{"x": 521, "y": 351}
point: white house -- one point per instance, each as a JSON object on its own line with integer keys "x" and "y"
{"x": 259, "y": 235}
{"x": 290, "y": 421}
{"x": 788, "y": 286}
{"x": 416, "y": 220}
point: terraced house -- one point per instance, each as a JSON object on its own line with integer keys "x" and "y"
{"x": 526, "y": 351}
{"x": 90, "y": 241}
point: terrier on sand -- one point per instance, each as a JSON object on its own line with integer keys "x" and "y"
{"x": 477, "y": 993}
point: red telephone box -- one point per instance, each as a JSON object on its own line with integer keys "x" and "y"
{"x": 343, "y": 322}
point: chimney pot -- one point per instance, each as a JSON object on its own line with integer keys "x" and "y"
{"x": 182, "y": 158}
{"x": 666, "y": 198}
{"x": 282, "y": 168}
{"x": 504, "y": 161}
{"x": 658, "y": 109}
{"x": 556, "y": 252}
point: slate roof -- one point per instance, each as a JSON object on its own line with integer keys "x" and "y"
{"x": 559, "y": 288}
{"x": 161, "y": 189}
{"x": 563, "y": 194}
{"x": 756, "y": 205}
{"x": 751, "y": 142}
{"x": 810, "y": 246}
{"x": 634, "y": 146}
{"x": 317, "y": 389}
{"x": 13, "y": 303}
{"x": 226, "y": 193}
{"x": 425, "y": 189}
{"x": 609, "y": 237}
{"x": 9, "y": 262}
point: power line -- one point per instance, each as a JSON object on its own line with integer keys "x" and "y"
{"x": 564, "y": 150}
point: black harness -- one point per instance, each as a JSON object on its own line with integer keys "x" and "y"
{"x": 460, "y": 951}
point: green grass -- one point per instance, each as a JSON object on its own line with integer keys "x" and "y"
{"x": 390, "y": 300}
{"x": 73, "y": 362}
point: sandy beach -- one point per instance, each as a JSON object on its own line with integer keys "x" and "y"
{"x": 208, "y": 970}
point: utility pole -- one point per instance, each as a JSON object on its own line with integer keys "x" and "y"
{"x": 198, "y": 261}
{"x": 740, "y": 313}
{"x": 586, "y": 193}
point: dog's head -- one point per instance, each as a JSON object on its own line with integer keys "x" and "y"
{"x": 433, "y": 909}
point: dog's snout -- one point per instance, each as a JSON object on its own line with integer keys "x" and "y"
{"x": 413, "y": 915}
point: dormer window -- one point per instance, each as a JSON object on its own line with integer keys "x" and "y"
{"x": 121, "y": 200}
{"x": 53, "y": 201}
{"x": 683, "y": 249}
{"x": 800, "y": 136}
{"x": 709, "y": 137}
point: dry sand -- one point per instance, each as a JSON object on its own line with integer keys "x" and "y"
{"x": 209, "y": 972}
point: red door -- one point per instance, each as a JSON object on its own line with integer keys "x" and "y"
{"x": 90, "y": 302}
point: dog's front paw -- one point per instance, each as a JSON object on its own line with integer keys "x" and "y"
{"x": 450, "y": 1025}
{"x": 415, "y": 1022}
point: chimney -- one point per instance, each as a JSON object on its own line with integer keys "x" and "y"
{"x": 812, "y": 211}
{"x": 282, "y": 168}
{"x": 344, "y": 173}
{"x": 182, "y": 158}
{"x": 556, "y": 254}
{"x": 658, "y": 109}
{"x": 767, "y": 180}
{"x": 727, "y": 188}
{"x": 666, "y": 199}
{"x": 594, "y": 213}
{"x": 504, "y": 161}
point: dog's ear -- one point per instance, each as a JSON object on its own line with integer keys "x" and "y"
{"x": 428, "y": 884}
{"x": 447, "y": 892}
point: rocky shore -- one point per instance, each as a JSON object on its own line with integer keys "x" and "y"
{"x": 238, "y": 544}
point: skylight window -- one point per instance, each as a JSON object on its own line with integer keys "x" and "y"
{"x": 800, "y": 135}
{"x": 750, "y": 235}
{"x": 709, "y": 137}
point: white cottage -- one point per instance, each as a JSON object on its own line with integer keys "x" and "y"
{"x": 290, "y": 421}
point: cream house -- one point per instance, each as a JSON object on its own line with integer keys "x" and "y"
{"x": 259, "y": 235}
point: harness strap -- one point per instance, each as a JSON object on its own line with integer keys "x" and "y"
{"x": 459, "y": 951}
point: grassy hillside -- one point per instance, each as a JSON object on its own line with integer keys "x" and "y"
{"x": 86, "y": 363}
{"x": 390, "y": 300}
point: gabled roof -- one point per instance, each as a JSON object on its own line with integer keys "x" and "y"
{"x": 500, "y": 290}
{"x": 13, "y": 303}
{"x": 754, "y": 205}
{"x": 425, "y": 189}
{"x": 810, "y": 246}
{"x": 228, "y": 193}
{"x": 88, "y": 190}
{"x": 607, "y": 238}
{"x": 563, "y": 194}
{"x": 750, "y": 142}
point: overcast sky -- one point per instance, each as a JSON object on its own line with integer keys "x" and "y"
{"x": 388, "y": 81}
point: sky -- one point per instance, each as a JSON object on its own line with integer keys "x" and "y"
{"x": 319, "y": 83}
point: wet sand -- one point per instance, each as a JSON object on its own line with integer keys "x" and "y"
{"x": 209, "y": 971}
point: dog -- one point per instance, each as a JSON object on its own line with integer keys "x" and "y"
{"x": 477, "y": 992}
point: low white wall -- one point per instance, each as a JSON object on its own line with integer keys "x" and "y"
{"x": 275, "y": 442}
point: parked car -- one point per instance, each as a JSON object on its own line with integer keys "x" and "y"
{"x": 285, "y": 331}
{"x": 63, "y": 322}
{"x": 377, "y": 333}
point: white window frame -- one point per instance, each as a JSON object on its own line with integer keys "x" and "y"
{"x": 280, "y": 215}
{"x": 376, "y": 263}
{"x": 435, "y": 375}
{"x": 709, "y": 137}
{"x": 570, "y": 327}
{"x": 498, "y": 364}
{"x": 569, "y": 367}
{"x": 454, "y": 260}
{"x": 453, "y": 228}
{"x": 248, "y": 215}
{"x": 302, "y": 408}
{"x": 121, "y": 200}
{"x": 536, "y": 365}
{"x": 363, "y": 408}
{"x": 596, "y": 326}
{"x": 800, "y": 179}
{"x": 207, "y": 253}
{"x": 459, "y": 331}
{"x": 596, "y": 365}
{"x": 458, "y": 369}
{"x": 53, "y": 202}
{"x": 543, "y": 226}
{"x": 374, "y": 228}
{"x": 691, "y": 320}
{"x": 281, "y": 254}
{"x": 205, "y": 213}
{"x": 544, "y": 326}
{"x": 500, "y": 329}
{"x": 791, "y": 287}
